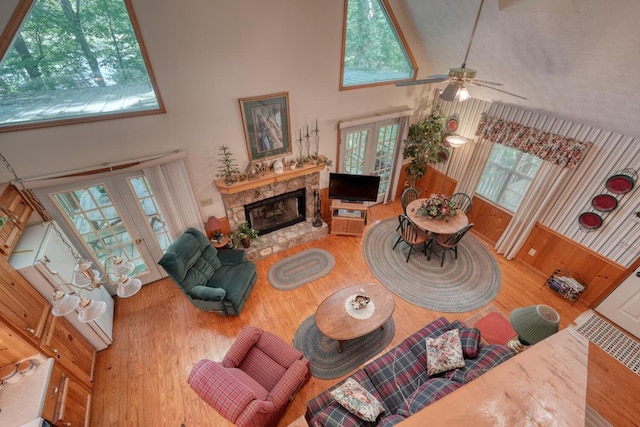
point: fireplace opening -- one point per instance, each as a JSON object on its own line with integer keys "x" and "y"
{"x": 277, "y": 212}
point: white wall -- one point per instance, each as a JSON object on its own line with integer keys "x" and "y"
{"x": 206, "y": 55}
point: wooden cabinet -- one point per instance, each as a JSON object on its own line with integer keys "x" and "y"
{"x": 71, "y": 350}
{"x": 348, "y": 219}
{"x": 18, "y": 211}
{"x": 74, "y": 404}
{"x": 54, "y": 391}
{"x": 20, "y": 304}
{"x": 67, "y": 402}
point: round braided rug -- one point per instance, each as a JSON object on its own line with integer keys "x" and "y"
{"x": 470, "y": 282}
{"x": 322, "y": 352}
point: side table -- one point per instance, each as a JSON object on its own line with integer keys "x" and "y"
{"x": 223, "y": 242}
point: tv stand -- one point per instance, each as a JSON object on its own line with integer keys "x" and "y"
{"x": 360, "y": 202}
{"x": 348, "y": 218}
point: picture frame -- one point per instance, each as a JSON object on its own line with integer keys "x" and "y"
{"x": 266, "y": 125}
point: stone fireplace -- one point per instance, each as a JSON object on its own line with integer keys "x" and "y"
{"x": 280, "y": 207}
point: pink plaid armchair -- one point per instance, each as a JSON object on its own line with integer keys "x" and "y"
{"x": 255, "y": 381}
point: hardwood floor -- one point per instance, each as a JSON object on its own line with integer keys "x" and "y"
{"x": 141, "y": 379}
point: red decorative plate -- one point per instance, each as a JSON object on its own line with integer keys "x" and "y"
{"x": 620, "y": 184}
{"x": 604, "y": 202}
{"x": 452, "y": 124}
{"x": 590, "y": 220}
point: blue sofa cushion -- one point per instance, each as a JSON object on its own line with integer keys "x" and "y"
{"x": 429, "y": 392}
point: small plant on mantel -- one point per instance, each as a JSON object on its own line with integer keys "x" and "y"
{"x": 228, "y": 169}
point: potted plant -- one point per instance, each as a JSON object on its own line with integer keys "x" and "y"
{"x": 424, "y": 145}
{"x": 244, "y": 234}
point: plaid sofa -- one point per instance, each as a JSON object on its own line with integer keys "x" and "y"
{"x": 399, "y": 380}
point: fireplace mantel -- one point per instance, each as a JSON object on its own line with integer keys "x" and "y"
{"x": 267, "y": 179}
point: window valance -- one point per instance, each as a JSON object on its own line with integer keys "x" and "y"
{"x": 560, "y": 150}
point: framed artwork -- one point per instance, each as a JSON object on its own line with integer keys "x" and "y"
{"x": 266, "y": 125}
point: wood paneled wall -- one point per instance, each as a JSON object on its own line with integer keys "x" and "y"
{"x": 554, "y": 251}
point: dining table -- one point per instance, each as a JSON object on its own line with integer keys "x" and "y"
{"x": 434, "y": 225}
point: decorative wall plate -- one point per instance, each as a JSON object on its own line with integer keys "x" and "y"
{"x": 604, "y": 202}
{"x": 620, "y": 184}
{"x": 589, "y": 221}
{"x": 452, "y": 124}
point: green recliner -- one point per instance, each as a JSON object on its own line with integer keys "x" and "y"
{"x": 217, "y": 281}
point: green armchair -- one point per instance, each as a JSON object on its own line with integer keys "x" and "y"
{"x": 217, "y": 281}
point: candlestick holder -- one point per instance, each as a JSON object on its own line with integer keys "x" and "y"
{"x": 316, "y": 134}
{"x": 300, "y": 157}
{"x": 308, "y": 144}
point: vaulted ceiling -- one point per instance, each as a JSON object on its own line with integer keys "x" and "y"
{"x": 576, "y": 59}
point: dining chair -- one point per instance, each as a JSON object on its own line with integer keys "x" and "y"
{"x": 411, "y": 235}
{"x": 408, "y": 195}
{"x": 462, "y": 202}
{"x": 447, "y": 242}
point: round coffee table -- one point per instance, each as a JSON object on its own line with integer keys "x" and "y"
{"x": 334, "y": 322}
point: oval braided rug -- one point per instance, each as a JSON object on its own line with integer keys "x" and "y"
{"x": 322, "y": 352}
{"x": 470, "y": 282}
{"x": 301, "y": 268}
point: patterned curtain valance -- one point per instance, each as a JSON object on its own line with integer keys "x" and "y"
{"x": 561, "y": 150}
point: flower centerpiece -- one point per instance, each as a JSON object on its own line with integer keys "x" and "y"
{"x": 438, "y": 206}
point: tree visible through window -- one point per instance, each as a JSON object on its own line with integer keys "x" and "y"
{"x": 75, "y": 60}
{"x": 507, "y": 176}
{"x": 374, "y": 49}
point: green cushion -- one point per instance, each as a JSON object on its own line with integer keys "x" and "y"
{"x": 207, "y": 294}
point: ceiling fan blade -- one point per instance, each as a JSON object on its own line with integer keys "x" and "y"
{"x": 486, "y": 82}
{"x": 499, "y": 90}
{"x": 421, "y": 82}
{"x": 439, "y": 76}
{"x": 449, "y": 93}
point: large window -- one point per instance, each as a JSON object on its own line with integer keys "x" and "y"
{"x": 507, "y": 176}
{"x": 73, "y": 61}
{"x": 374, "y": 50}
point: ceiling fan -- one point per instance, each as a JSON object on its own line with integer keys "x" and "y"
{"x": 458, "y": 78}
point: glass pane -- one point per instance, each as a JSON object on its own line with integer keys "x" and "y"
{"x": 74, "y": 59}
{"x": 355, "y": 151}
{"x": 373, "y": 52}
{"x": 507, "y": 176}
{"x": 100, "y": 225}
{"x": 149, "y": 208}
{"x": 384, "y": 155}
{"x": 528, "y": 165}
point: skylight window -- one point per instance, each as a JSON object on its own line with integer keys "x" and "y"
{"x": 374, "y": 50}
{"x": 73, "y": 61}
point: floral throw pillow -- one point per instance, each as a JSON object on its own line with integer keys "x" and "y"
{"x": 357, "y": 400}
{"x": 444, "y": 353}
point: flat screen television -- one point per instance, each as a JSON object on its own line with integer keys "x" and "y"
{"x": 353, "y": 188}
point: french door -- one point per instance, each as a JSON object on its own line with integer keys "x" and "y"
{"x": 112, "y": 216}
{"x": 370, "y": 149}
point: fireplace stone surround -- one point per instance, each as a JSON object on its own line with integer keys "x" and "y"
{"x": 236, "y": 196}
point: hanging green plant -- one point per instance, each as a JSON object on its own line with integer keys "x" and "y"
{"x": 424, "y": 145}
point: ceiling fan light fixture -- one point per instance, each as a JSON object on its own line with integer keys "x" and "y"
{"x": 463, "y": 94}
